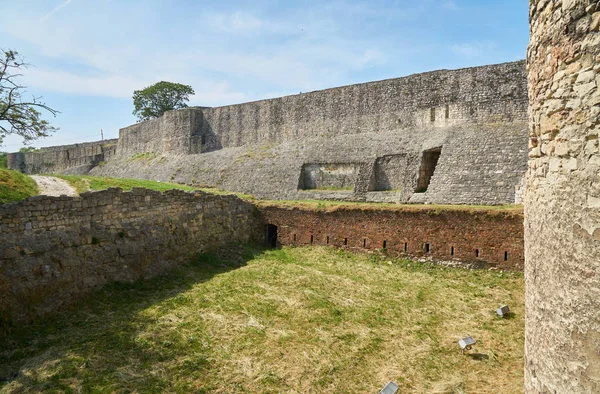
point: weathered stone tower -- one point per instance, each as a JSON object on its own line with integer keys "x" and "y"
{"x": 562, "y": 203}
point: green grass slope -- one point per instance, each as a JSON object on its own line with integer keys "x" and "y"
{"x": 85, "y": 183}
{"x": 15, "y": 186}
{"x": 294, "y": 320}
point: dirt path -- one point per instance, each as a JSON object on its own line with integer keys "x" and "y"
{"x": 52, "y": 186}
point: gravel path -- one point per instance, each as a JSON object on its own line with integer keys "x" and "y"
{"x": 52, "y": 186}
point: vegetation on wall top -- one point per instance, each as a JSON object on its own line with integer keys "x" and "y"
{"x": 155, "y": 100}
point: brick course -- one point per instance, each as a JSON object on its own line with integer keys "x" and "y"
{"x": 490, "y": 233}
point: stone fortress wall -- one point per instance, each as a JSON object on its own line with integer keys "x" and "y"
{"x": 53, "y": 250}
{"x": 454, "y": 136}
{"x": 562, "y": 199}
{"x": 68, "y": 159}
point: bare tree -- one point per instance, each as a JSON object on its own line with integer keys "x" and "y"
{"x": 19, "y": 116}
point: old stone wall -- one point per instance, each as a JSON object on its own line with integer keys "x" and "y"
{"x": 176, "y": 132}
{"x": 486, "y": 238}
{"x": 562, "y": 199}
{"x": 55, "y": 249}
{"x": 438, "y": 99}
{"x": 381, "y": 129}
{"x": 479, "y": 164}
{"x": 476, "y": 116}
{"x": 442, "y": 98}
{"x": 75, "y": 159}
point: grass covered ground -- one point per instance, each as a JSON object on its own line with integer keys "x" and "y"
{"x": 84, "y": 183}
{"x": 291, "y": 320}
{"x": 15, "y": 186}
{"x": 330, "y": 205}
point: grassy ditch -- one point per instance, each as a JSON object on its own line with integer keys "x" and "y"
{"x": 15, "y": 186}
{"x": 309, "y": 319}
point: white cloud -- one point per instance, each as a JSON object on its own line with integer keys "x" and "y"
{"x": 465, "y": 49}
{"x": 65, "y": 82}
{"x": 310, "y": 49}
{"x": 450, "y": 4}
{"x": 474, "y": 49}
{"x": 369, "y": 57}
{"x": 58, "y": 7}
{"x": 238, "y": 22}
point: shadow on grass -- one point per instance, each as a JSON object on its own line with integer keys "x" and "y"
{"x": 96, "y": 343}
{"x": 508, "y": 316}
{"x": 479, "y": 356}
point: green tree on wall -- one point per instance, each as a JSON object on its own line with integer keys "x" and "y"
{"x": 18, "y": 115}
{"x": 155, "y": 100}
{"x": 3, "y": 160}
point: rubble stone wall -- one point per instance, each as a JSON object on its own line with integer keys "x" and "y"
{"x": 67, "y": 159}
{"x": 53, "y": 250}
{"x": 478, "y": 116}
{"x": 562, "y": 199}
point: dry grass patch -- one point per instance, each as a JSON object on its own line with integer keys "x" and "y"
{"x": 291, "y": 320}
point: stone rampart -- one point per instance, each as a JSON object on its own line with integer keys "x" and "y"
{"x": 437, "y": 99}
{"x": 474, "y": 118}
{"x": 562, "y": 199}
{"x": 74, "y": 159}
{"x": 481, "y": 238}
{"x": 55, "y": 249}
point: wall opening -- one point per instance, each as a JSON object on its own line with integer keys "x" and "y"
{"x": 428, "y": 163}
{"x": 364, "y": 242}
{"x": 452, "y": 251}
{"x": 294, "y": 237}
{"x": 203, "y": 139}
{"x": 384, "y": 246}
{"x": 332, "y": 176}
{"x": 345, "y": 241}
{"x": 328, "y": 240}
{"x": 505, "y": 256}
{"x": 476, "y": 252}
{"x": 447, "y": 113}
{"x": 427, "y": 248}
{"x": 271, "y": 235}
{"x": 406, "y": 246}
{"x": 432, "y": 115}
{"x": 311, "y": 238}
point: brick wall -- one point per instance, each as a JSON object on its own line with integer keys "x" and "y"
{"x": 53, "y": 250}
{"x": 491, "y": 238}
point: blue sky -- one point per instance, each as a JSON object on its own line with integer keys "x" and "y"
{"x": 89, "y": 55}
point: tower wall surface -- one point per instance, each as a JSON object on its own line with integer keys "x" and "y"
{"x": 562, "y": 200}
